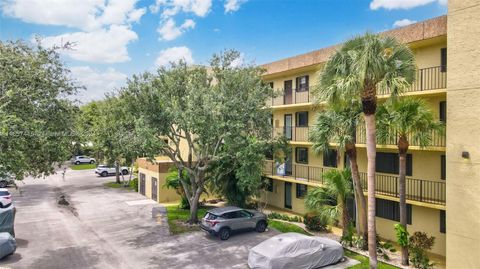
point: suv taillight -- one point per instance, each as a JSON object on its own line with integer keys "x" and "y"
{"x": 213, "y": 223}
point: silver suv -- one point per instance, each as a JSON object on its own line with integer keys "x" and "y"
{"x": 223, "y": 221}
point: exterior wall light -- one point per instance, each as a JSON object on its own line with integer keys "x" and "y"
{"x": 465, "y": 155}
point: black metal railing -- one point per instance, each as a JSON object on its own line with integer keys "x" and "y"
{"x": 427, "y": 191}
{"x": 298, "y": 172}
{"x": 292, "y": 133}
{"x": 431, "y": 78}
{"x": 438, "y": 138}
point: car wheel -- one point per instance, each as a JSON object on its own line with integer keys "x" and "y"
{"x": 224, "y": 234}
{"x": 261, "y": 226}
{"x": 92, "y": 162}
{"x": 3, "y": 184}
{"x": 77, "y": 162}
{"x": 104, "y": 174}
{"x": 125, "y": 172}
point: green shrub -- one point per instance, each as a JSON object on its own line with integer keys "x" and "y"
{"x": 184, "y": 204}
{"x": 402, "y": 235}
{"x": 383, "y": 248}
{"x": 315, "y": 222}
{"x": 418, "y": 245}
{"x": 134, "y": 184}
{"x": 347, "y": 238}
{"x": 276, "y": 215}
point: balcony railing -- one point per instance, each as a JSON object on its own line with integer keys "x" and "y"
{"x": 431, "y": 78}
{"x": 292, "y": 133}
{"x": 426, "y": 191}
{"x": 438, "y": 138}
{"x": 298, "y": 172}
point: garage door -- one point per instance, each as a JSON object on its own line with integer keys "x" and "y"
{"x": 154, "y": 189}
{"x": 142, "y": 184}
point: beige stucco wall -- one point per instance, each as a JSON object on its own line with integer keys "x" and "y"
{"x": 463, "y": 134}
{"x": 164, "y": 195}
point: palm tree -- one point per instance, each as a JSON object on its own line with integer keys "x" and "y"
{"x": 337, "y": 125}
{"x": 330, "y": 200}
{"x": 401, "y": 120}
{"x": 360, "y": 67}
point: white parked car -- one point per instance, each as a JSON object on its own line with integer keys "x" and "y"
{"x": 82, "y": 159}
{"x": 6, "y": 180}
{"x": 5, "y": 198}
{"x": 104, "y": 170}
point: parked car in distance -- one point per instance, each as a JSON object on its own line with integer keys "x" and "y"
{"x": 104, "y": 170}
{"x": 5, "y": 198}
{"x": 294, "y": 250}
{"x": 82, "y": 159}
{"x": 223, "y": 221}
{"x": 6, "y": 180}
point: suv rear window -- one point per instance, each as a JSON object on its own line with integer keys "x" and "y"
{"x": 210, "y": 216}
{"x": 4, "y": 193}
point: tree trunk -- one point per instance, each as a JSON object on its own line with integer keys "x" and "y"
{"x": 194, "y": 207}
{"x": 117, "y": 172}
{"x": 360, "y": 202}
{"x": 402, "y": 150}
{"x": 344, "y": 218}
{"x": 371, "y": 155}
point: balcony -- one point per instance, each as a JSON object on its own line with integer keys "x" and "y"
{"x": 425, "y": 191}
{"x": 426, "y": 79}
{"x": 419, "y": 190}
{"x": 438, "y": 138}
{"x": 292, "y": 133}
{"x": 300, "y": 172}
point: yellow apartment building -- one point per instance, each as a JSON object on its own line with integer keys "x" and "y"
{"x": 447, "y": 170}
{"x": 294, "y": 114}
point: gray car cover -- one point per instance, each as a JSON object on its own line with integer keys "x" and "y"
{"x": 294, "y": 250}
{"x": 7, "y": 245}
{"x": 7, "y": 218}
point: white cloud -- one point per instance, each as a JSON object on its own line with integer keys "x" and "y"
{"x": 97, "y": 83}
{"x": 174, "y": 54}
{"x": 170, "y": 31}
{"x": 402, "y": 4}
{"x": 172, "y": 7}
{"x": 87, "y": 15}
{"x": 233, "y": 5}
{"x": 404, "y": 22}
{"x": 100, "y": 46}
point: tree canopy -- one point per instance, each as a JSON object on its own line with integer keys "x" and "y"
{"x": 36, "y": 118}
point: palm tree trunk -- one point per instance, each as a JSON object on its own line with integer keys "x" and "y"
{"x": 345, "y": 217}
{"x": 402, "y": 149}
{"x": 371, "y": 155}
{"x": 360, "y": 201}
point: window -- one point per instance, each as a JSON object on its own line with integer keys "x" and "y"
{"x": 443, "y": 167}
{"x": 330, "y": 158}
{"x": 302, "y": 119}
{"x": 443, "y": 111}
{"x": 270, "y": 185}
{"x": 389, "y": 163}
{"x": 391, "y": 210}
{"x": 301, "y": 190}
{"x": 270, "y": 84}
{"x": 443, "y": 227}
{"x": 301, "y": 155}
{"x": 302, "y": 83}
{"x": 443, "y": 60}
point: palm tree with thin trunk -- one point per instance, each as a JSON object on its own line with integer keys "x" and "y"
{"x": 357, "y": 70}
{"x": 406, "y": 120}
{"x": 337, "y": 125}
{"x": 330, "y": 200}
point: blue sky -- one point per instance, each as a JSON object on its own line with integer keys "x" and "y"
{"x": 117, "y": 38}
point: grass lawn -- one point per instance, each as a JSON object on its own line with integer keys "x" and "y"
{"x": 85, "y": 166}
{"x": 115, "y": 185}
{"x": 285, "y": 227}
{"x": 177, "y": 217}
{"x": 364, "y": 261}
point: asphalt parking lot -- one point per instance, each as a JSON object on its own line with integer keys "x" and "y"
{"x": 108, "y": 228}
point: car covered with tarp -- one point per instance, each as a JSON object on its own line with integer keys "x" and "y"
{"x": 294, "y": 250}
{"x": 8, "y": 244}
